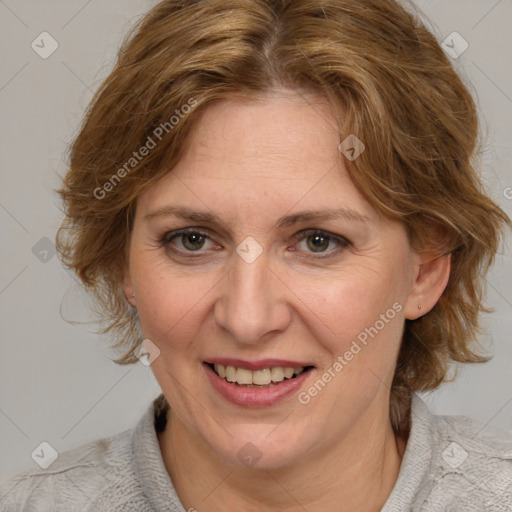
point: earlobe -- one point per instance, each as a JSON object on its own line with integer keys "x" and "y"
{"x": 128, "y": 288}
{"x": 431, "y": 279}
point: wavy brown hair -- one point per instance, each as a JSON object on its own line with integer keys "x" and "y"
{"x": 398, "y": 93}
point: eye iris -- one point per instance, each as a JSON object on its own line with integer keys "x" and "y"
{"x": 193, "y": 241}
{"x": 319, "y": 242}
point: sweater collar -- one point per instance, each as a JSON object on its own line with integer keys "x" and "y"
{"x": 411, "y": 481}
{"x": 416, "y": 462}
{"x": 151, "y": 471}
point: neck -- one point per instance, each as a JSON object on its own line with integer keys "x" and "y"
{"x": 357, "y": 474}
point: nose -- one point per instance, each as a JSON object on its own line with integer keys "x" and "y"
{"x": 252, "y": 302}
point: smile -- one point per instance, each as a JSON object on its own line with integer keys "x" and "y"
{"x": 256, "y": 378}
{"x": 266, "y": 384}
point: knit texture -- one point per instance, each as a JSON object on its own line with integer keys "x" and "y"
{"x": 451, "y": 464}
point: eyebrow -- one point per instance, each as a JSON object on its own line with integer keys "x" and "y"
{"x": 285, "y": 221}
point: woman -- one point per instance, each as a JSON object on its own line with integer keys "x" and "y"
{"x": 278, "y": 197}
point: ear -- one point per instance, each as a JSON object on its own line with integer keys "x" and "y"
{"x": 128, "y": 288}
{"x": 431, "y": 277}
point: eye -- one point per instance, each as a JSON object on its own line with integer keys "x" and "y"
{"x": 186, "y": 240}
{"x": 318, "y": 241}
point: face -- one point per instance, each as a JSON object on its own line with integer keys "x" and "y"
{"x": 257, "y": 252}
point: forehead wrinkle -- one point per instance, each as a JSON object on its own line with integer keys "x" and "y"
{"x": 271, "y": 164}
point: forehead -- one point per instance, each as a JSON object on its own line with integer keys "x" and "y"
{"x": 281, "y": 146}
{"x": 263, "y": 135}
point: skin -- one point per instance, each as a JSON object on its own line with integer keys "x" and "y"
{"x": 250, "y": 163}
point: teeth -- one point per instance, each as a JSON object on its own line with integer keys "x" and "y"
{"x": 220, "y": 370}
{"x": 243, "y": 376}
{"x": 263, "y": 377}
{"x": 288, "y": 372}
{"x": 277, "y": 374}
{"x": 230, "y": 373}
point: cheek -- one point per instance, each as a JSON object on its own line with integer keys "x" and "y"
{"x": 358, "y": 317}
{"x": 170, "y": 302}
{"x": 350, "y": 301}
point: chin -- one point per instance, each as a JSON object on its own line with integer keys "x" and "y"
{"x": 260, "y": 447}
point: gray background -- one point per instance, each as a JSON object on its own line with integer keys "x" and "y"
{"x": 57, "y": 381}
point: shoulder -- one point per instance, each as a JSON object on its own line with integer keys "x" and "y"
{"x": 471, "y": 464}
{"x": 119, "y": 473}
{"x": 114, "y": 473}
{"x": 73, "y": 481}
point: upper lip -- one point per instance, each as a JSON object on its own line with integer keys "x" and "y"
{"x": 256, "y": 365}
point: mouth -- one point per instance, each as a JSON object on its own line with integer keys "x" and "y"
{"x": 267, "y": 377}
{"x": 256, "y": 384}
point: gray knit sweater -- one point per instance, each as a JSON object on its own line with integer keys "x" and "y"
{"x": 451, "y": 463}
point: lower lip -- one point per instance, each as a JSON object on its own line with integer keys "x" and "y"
{"x": 255, "y": 397}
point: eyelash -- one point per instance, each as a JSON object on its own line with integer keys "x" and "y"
{"x": 343, "y": 243}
